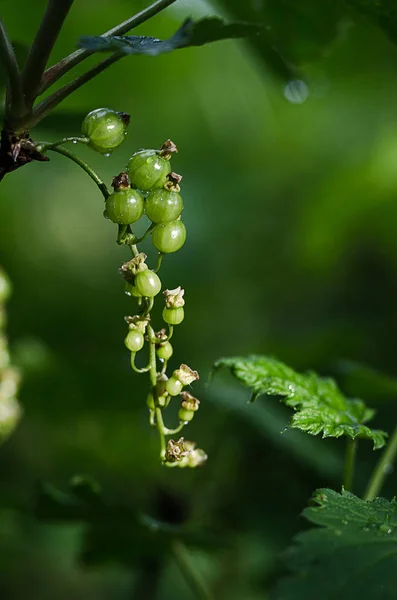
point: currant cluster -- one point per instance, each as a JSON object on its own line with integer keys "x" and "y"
{"x": 10, "y": 411}
{"x": 149, "y": 189}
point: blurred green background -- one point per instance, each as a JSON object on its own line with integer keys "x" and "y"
{"x": 288, "y": 150}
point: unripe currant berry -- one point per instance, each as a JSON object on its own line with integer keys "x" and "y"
{"x": 173, "y": 386}
{"x": 163, "y": 205}
{"x": 125, "y": 206}
{"x": 131, "y": 290}
{"x": 173, "y": 316}
{"x": 169, "y": 237}
{"x": 148, "y": 283}
{"x": 148, "y": 170}
{"x": 165, "y": 351}
{"x": 185, "y": 415}
{"x": 134, "y": 340}
{"x": 105, "y": 129}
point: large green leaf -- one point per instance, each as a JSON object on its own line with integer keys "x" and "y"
{"x": 319, "y": 405}
{"x": 351, "y": 554}
{"x": 191, "y": 33}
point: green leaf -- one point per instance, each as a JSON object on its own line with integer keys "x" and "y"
{"x": 319, "y": 405}
{"x": 351, "y": 554}
{"x": 191, "y": 33}
{"x": 115, "y": 533}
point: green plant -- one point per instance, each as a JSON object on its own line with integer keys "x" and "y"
{"x": 360, "y": 532}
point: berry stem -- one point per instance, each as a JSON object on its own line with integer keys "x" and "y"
{"x": 44, "y": 147}
{"x": 159, "y": 261}
{"x": 138, "y": 369}
{"x": 383, "y": 467}
{"x": 351, "y": 450}
{"x": 15, "y": 101}
{"x": 174, "y": 431}
{"x": 47, "y": 34}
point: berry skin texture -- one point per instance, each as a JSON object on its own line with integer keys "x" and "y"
{"x": 163, "y": 206}
{"x": 148, "y": 283}
{"x": 148, "y": 170}
{"x": 134, "y": 340}
{"x": 131, "y": 290}
{"x": 185, "y": 415}
{"x": 173, "y": 386}
{"x": 169, "y": 237}
{"x": 105, "y": 128}
{"x": 125, "y": 206}
{"x": 173, "y": 316}
{"x": 165, "y": 351}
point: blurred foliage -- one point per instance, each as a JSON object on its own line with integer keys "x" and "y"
{"x": 291, "y": 213}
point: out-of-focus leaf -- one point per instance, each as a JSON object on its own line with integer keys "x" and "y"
{"x": 114, "y": 533}
{"x": 319, "y": 405}
{"x": 363, "y": 381}
{"x": 352, "y": 554}
{"x": 191, "y": 33}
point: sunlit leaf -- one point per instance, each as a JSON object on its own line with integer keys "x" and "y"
{"x": 319, "y": 405}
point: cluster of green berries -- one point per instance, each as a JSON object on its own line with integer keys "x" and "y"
{"x": 10, "y": 411}
{"x": 149, "y": 187}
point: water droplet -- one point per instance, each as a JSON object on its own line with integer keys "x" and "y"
{"x": 74, "y": 142}
{"x": 385, "y": 528}
{"x": 296, "y": 91}
{"x": 106, "y": 155}
{"x": 388, "y": 469}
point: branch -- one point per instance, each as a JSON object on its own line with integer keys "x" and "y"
{"x": 10, "y": 63}
{"x": 66, "y": 64}
{"x": 47, "y": 105}
{"x": 50, "y": 26}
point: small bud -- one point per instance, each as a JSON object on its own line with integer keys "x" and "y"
{"x": 185, "y": 416}
{"x": 121, "y": 182}
{"x": 189, "y": 402}
{"x": 136, "y": 265}
{"x": 174, "y": 298}
{"x": 185, "y": 375}
{"x": 175, "y": 451}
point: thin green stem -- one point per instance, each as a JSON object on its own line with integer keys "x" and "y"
{"x": 382, "y": 468}
{"x": 174, "y": 431}
{"x": 47, "y": 105}
{"x": 148, "y": 230}
{"x": 159, "y": 261}
{"x": 351, "y": 450}
{"x": 16, "y": 105}
{"x": 80, "y": 162}
{"x": 138, "y": 369}
{"x": 160, "y": 429}
{"x": 50, "y": 26}
{"x": 66, "y": 64}
{"x": 193, "y": 579}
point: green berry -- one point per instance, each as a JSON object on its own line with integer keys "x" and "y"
{"x": 173, "y": 316}
{"x": 105, "y": 128}
{"x": 169, "y": 237}
{"x": 134, "y": 340}
{"x": 165, "y": 351}
{"x": 163, "y": 205}
{"x": 131, "y": 290}
{"x": 185, "y": 415}
{"x": 148, "y": 170}
{"x": 173, "y": 386}
{"x": 148, "y": 283}
{"x": 5, "y": 287}
{"x": 125, "y": 206}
